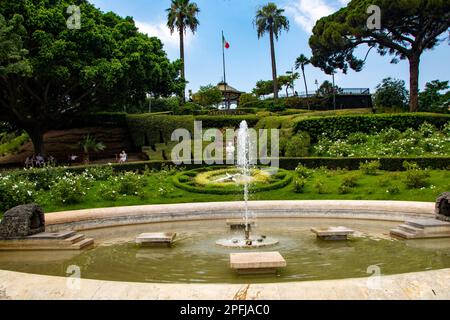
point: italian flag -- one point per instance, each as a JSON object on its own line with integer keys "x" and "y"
{"x": 225, "y": 43}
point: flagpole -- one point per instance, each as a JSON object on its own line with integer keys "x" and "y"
{"x": 224, "y": 71}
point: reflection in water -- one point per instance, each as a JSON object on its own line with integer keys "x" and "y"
{"x": 195, "y": 258}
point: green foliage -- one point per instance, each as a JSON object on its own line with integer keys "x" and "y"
{"x": 11, "y": 143}
{"x": 299, "y": 185}
{"x": 131, "y": 184}
{"x": 344, "y": 189}
{"x": 391, "y": 93}
{"x": 263, "y": 88}
{"x": 107, "y": 64}
{"x": 298, "y": 145}
{"x": 148, "y": 129}
{"x": 43, "y": 177}
{"x": 108, "y": 191}
{"x": 208, "y": 96}
{"x": 70, "y": 188}
{"x": 320, "y": 186}
{"x": 247, "y": 98}
{"x": 303, "y": 172}
{"x": 433, "y": 98}
{"x": 416, "y": 178}
{"x": 370, "y": 168}
{"x": 350, "y": 181}
{"x": 278, "y": 181}
{"x": 340, "y": 127}
{"x": 395, "y": 189}
{"x": 14, "y": 192}
{"x": 408, "y": 28}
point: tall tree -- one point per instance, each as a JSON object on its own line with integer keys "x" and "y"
{"x": 408, "y": 28}
{"x": 50, "y": 73}
{"x": 182, "y": 15}
{"x": 301, "y": 62}
{"x": 269, "y": 19}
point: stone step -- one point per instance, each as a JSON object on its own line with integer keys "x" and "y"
{"x": 83, "y": 244}
{"x": 63, "y": 235}
{"x": 402, "y": 234}
{"x": 428, "y": 224}
{"x": 410, "y": 229}
{"x": 76, "y": 238}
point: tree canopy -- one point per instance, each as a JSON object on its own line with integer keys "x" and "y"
{"x": 391, "y": 93}
{"x": 270, "y": 19}
{"x": 50, "y": 72}
{"x": 208, "y": 96}
{"x": 408, "y": 28}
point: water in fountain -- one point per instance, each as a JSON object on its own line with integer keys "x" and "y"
{"x": 244, "y": 160}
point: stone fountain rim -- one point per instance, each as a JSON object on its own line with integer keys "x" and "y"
{"x": 88, "y": 219}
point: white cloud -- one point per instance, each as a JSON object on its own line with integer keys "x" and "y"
{"x": 161, "y": 31}
{"x": 307, "y": 12}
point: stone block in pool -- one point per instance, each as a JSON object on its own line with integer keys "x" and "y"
{"x": 160, "y": 238}
{"x": 333, "y": 233}
{"x": 257, "y": 262}
{"x": 239, "y": 224}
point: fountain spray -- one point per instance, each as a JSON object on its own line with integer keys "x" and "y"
{"x": 243, "y": 162}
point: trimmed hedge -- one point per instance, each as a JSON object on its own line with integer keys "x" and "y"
{"x": 149, "y": 129}
{"x": 387, "y": 164}
{"x": 179, "y": 180}
{"x": 102, "y": 119}
{"x": 342, "y": 126}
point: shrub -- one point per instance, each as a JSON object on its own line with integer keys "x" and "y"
{"x": 14, "y": 192}
{"x": 299, "y": 185}
{"x": 319, "y": 186}
{"x": 69, "y": 189}
{"x": 370, "y": 168}
{"x": 108, "y": 191}
{"x": 298, "y": 145}
{"x": 358, "y": 138}
{"x": 247, "y": 98}
{"x": 344, "y": 189}
{"x": 101, "y": 173}
{"x": 395, "y": 189}
{"x": 339, "y": 127}
{"x": 302, "y": 171}
{"x": 446, "y": 129}
{"x": 43, "y": 177}
{"x": 350, "y": 181}
{"x": 416, "y": 178}
{"x": 131, "y": 184}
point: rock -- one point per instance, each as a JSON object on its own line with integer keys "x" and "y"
{"x": 22, "y": 221}
{"x": 443, "y": 207}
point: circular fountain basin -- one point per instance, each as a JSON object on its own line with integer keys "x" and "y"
{"x": 196, "y": 268}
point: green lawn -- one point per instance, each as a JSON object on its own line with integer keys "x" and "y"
{"x": 369, "y": 188}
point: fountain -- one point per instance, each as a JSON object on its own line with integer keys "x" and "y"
{"x": 244, "y": 160}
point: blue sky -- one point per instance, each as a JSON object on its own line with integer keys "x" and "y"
{"x": 248, "y": 59}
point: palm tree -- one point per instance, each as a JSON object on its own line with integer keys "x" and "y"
{"x": 182, "y": 15}
{"x": 301, "y": 62}
{"x": 88, "y": 145}
{"x": 270, "y": 19}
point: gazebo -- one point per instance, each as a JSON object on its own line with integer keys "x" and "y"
{"x": 230, "y": 95}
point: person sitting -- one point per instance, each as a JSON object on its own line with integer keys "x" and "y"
{"x": 28, "y": 162}
{"x": 123, "y": 157}
{"x": 40, "y": 161}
